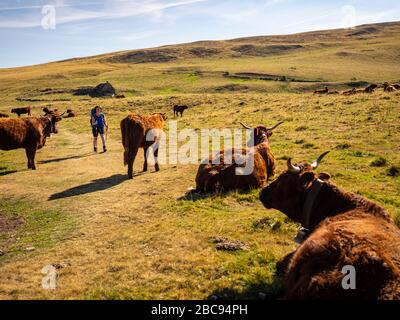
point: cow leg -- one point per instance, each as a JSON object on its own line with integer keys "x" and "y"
{"x": 145, "y": 159}
{"x": 131, "y": 159}
{"x": 29, "y": 158}
{"x": 30, "y": 153}
{"x": 157, "y": 166}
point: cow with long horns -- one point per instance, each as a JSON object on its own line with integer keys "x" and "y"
{"x": 221, "y": 174}
{"x": 345, "y": 232}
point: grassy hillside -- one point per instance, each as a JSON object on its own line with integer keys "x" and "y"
{"x": 116, "y": 239}
{"x": 302, "y": 62}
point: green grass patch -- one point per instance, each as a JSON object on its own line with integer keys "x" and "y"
{"x": 256, "y": 271}
{"x": 37, "y": 228}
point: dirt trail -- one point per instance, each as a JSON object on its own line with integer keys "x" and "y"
{"x": 117, "y": 218}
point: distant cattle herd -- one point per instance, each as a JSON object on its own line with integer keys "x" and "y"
{"x": 339, "y": 229}
{"x": 387, "y": 87}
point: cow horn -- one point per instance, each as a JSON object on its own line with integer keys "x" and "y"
{"x": 246, "y": 126}
{"x": 273, "y": 128}
{"x": 317, "y": 162}
{"x": 292, "y": 168}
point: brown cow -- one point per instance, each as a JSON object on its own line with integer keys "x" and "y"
{"x": 333, "y": 92}
{"x": 28, "y": 133}
{"x": 388, "y": 87}
{"x": 219, "y": 174}
{"x": 371, "y": 88}
{"x": 359, "y": 91}
{"x": 349, "y": 92}
{"x": 19, "y": 111}
{"x": 70, "y": 114}
{"x": 179, "y": 110}
{"x": 141, "y": 132}
{"x": 3, "y": 115}
{"x": 323, "y": 91}
{"x": 345, "y": 230}
{"x": 54, "y": 112}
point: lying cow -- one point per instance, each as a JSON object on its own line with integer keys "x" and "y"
{"x": 345, "y": 230}
{"x": 3, "y": 115}
{"x": 333, "y": 92}
{"x": 371, "y": 88}
{"x": 212, "y": 177}
{"x": 387, "y": 87}
{"x": 349, "y": 92}
{"x": 179, "y": 110}
{"x": 135, "y": 131}
{"x": 70, "y": 114}
{"x": 19, "y": 111}
{"x": 27, "y": 133}
{"x": 323, "y": 91}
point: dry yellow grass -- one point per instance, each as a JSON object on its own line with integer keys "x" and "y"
{"x": 136, "y": 239}
{"x": 141, "y": 239}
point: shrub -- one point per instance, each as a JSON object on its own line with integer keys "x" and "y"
{"x": 393, "y": 171}
{"x": 379, "y": 162}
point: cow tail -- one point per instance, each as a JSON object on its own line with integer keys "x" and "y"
{"x": 125, "y": 141}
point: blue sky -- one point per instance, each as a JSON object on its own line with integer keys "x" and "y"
{"x": 92, "y": 27}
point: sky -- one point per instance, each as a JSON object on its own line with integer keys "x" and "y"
{"x": 38, "y": 31}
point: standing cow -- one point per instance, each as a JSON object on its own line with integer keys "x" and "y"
{"x": 341, "y": 232}
{"x": 141, "y": 132}
{"x": 19, "y": 111}
{"x": 28, "y": 133}
{"x": 220, "y": 174}
{"x": 179, "y": 110}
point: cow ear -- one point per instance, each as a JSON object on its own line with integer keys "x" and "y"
{"x": 324, "y": 176}
{"x": 306, "y": 180}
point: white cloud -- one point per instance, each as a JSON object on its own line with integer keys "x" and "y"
{"x": 69, "y": 11}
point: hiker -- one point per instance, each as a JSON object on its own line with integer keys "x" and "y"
{"x": 99, "y": 123}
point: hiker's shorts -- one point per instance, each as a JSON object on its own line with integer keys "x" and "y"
{"x": 97, "y": 130}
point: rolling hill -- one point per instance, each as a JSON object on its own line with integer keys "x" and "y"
{"x": 293, "y": 63}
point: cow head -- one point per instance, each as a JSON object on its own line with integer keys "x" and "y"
{"x": 163, "y": 116}
{"x": 259, "y": 134}
{"x": 51, "y": 126}
{"x": 288, "y": 192}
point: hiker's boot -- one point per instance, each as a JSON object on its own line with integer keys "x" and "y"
{"x": 104, "y": 149}
{"x": 95, "y": 149}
